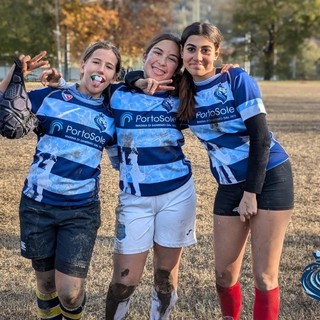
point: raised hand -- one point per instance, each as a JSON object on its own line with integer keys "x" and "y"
{"x": 51, "y": 77}
{"x": 226, "y": 67}
{"x": 150, "y": 86}
{"x": 29, "y": 64}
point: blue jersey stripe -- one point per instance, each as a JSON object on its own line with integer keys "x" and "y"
{"x": 155, "y": 188}
{"x": 229, "y": 174}
{"x": 228, "y": 141}
{"x": 69, "y": 111}
{"x": 68, "y": 169}
{"x": 150, "y": 156}
{"x": 64, "y": 200}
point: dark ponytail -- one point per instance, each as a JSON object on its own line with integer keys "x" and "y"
{"x": 186, "y": 94}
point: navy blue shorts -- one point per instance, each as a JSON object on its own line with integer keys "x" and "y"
{"x": 277, "y": 193}
{"x": 59, "y": 238}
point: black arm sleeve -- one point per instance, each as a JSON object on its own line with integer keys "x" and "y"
{"x": 131, "y": 77}
{"x": 259, "y": 152}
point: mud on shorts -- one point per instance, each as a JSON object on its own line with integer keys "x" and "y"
{"x": 277, "y": 193}
{"x": 59, "y": 238}
{"x": 167, "y": 219}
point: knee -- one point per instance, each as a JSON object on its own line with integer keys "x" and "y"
{"x": 71, "y": 298}
{"x": 264, "y": 281}
{"x": 120, "y": 292}
{"x": 48, "y": 286}
{"x": 224, "y": 278}
{"x": 163, "y": 281}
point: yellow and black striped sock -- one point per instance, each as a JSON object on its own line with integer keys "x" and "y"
{"x": 73, "y": 314}
{"x": 48, "y": 306}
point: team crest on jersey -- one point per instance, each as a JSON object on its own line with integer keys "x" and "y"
{"x": 101, "y": 122}
{"x": 66, "y": 96}
{"x": 168, "y": 103}
{"x": 221, "y": 93}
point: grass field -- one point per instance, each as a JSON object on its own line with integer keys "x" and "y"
{"x": 293, "y": 114}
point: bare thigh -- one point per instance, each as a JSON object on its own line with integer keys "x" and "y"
{"x": 267, "y": 236}
{"x": 46, "y": 281}
{"x": 128, "y": 268}
{"x": 230, "y": 237}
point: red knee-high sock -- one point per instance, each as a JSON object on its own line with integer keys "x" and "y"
{"x": 230, "y": 300}
{"x": 266, "y": 304}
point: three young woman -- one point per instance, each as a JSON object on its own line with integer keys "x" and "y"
{"x": 255, "y": 193}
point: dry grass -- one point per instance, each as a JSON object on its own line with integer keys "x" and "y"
{"x": 294, "y": 115}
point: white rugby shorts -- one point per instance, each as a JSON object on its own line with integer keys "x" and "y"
{"x": 168, "y": 219}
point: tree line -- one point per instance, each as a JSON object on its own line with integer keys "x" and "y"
{"x": 278, "y": 38}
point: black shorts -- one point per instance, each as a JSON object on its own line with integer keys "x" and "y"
{"x": 277, "y": 193}
{"x": 59, "y": 238}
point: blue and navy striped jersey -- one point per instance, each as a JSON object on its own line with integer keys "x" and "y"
{"x": 223, "y": 103}
{"x": 149, "y": 141}
{"x": 66, "y": 166}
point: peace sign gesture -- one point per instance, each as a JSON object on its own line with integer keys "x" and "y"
{"x": 29, "y": 64}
